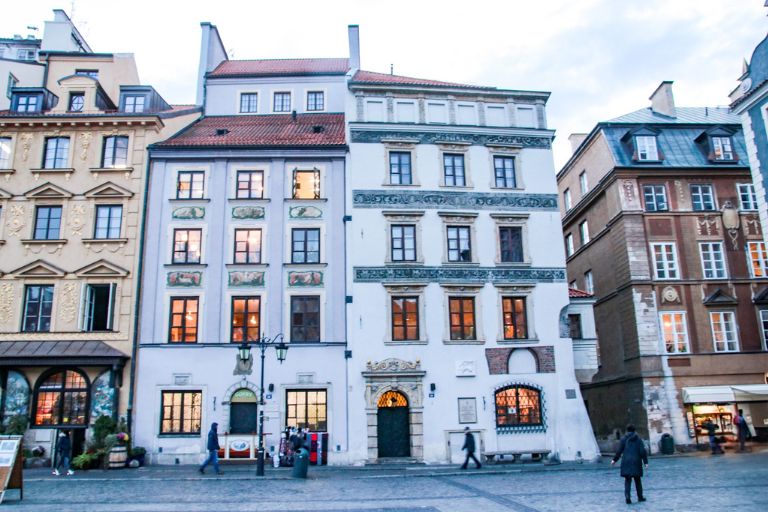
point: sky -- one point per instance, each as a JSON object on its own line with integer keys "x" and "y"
{"x": 599, "y": 58}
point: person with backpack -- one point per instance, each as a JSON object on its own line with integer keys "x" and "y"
{"x": 633, "y": 458}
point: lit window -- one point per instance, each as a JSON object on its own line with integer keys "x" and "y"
{"x": 403, "y": 242}
{"x": 461, "y": 311}
{"x": 186, "y": 245}
{"x": 305, "y": 318}
{"x": 655, "y": 197}
{"x": 182, "y": 412}
{"x": 724, "y": 331}
{"x": 315, "y": 100}
{"x": 758, "y": 259}
{"x": 702, "y": 197}
{"x": 249, "y": 102}
{"x": 514, "y": 314}
{"x": 305, "y": 245}
{"x": 453, "y": 170}
{"x": 61, "y": 399}
{"x": 674, "y": 332}
{"x": 38, "y": 304}
{"x": 108, "y": 221}
{"x": 459, "y": 246}
{"x": 405, "y": 318}
{"x": 56, "y": 153}
{"x": 246, "y": 319}
{"x": 518, "y": 406}
{"x": 504, "y": 171}
{"x": 250, "y": 185}
{"x": 400, "y": 168}
{"x": 247, "y": 246}
{"x": 306, "y": 184}
{"x": 190, "y": 185}
{"x": 747, "y": 196}
{"x": 307, "y": 409}
{"x": 183, "y": 321}
{"x": 115, "y": 154}
{"x": 712, "y": 260}
{"x": 282, "y": 102}
{"x": 646, "y": 148}
{"x": 721, "y": 148}
{"x": 665, "y": 260}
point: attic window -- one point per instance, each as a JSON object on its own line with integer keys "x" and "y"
{"x": 722, "y": 148}
{"x": 646, "y": 148}
{"x": 318, "y": 129}
{"x": 221, "y": 131}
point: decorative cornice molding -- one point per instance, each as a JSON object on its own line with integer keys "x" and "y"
{"x": 506, "y": 201}
{"x": 457, "y": 275}
{"x": 426, "y": 137}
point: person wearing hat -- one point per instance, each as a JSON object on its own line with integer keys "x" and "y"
{"x": 213, "y": 449}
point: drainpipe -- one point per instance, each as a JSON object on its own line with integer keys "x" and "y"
{"x": 137, "y": 309}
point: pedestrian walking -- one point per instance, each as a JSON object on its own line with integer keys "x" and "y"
{"x": 711, "y": 432}
{"x": 469, "y": 445}
{"x": 633, "y": 457}
{"x": 742, "y": 429}
{"x": 63, "y": 454}
{"x": 213, "y": 449}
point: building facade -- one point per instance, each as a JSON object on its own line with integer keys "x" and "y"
{"x": 246, "y": 240}
{"x": 660, "y": 222}
{"x": 458, "y": 303}
{"x": 72, "y": 177}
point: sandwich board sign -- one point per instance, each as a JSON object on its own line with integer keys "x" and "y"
{"x": 10, "y": 465}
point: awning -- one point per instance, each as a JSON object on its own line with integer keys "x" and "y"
{"x": 59, "y": 353}
{"x": 726, "y": 394}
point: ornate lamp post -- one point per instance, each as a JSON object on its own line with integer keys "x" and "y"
{"x": 244, "y": 354}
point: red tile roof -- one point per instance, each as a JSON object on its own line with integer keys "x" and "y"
{"x": 281, "y": 67}
{"x": 262, "y": 130}
{"x": 369, "y": 77}
{"x": 575, "y": 293}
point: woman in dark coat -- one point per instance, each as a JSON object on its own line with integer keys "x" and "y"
{"x": 633, "y": 457}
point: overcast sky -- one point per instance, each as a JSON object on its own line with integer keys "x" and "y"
{"x": 599, "y": 58}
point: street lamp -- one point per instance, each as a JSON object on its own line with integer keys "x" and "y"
{"x": 244, "y": 352}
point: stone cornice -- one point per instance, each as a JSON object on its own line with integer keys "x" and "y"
{"x": 474, "y": 275}
{"x": 414, "y": 199}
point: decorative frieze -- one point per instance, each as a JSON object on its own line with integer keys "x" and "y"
{"x": 393, "y": 365}
{"x": 6, "y": 302}
{"x": 16, "y": 219}
{"x": 305, "y": 278}
{"x": 480, "y": 139}
{"x": 453, "y": 200}
{"x": 458, "y": 275}
{"x": 248, "y": 212}
{"x": 189, "y": 213}
{"x": 68, "y": 307}
{"x": 305, "y": 212}
{"x": 184, "y": 278}
{"x": 246, "y": 278}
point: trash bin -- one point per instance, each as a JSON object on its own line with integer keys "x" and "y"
{"x": 300, "y": 463}
{"x": 667, "y": 444}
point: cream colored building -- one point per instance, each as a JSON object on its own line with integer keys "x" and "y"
{"x": 72, "y": 179}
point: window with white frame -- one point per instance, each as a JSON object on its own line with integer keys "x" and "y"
{"x": 646, "y": 148}
{"x": 674, "y": 332}
{"x": 764, "y": 327}
{"x": 584, "y": 232}
{"x": 583, "y": 185}
{"x": 568, "y": 244}
{"x": 589, "y": 284}
{"x": 5, "y": 152}
{"x": 249, "y": 102}
{"x": 758, "y": 259}
{"x": 747, "y": 196}
{"x": 281, "y": 102}
{"x": 712, "y": 260}
{"x": 655, "y": 197}
{"x": 567, "y": 199}
{"x": 665, "y": 260}
{"x": 722, "y": 148}
{"x": 315, "y": 101}
{"x": 702, "y": 197}
{"x": 724, "y": 331}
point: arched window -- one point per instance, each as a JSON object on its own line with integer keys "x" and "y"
{"x": 518, "y": 405}
{"x": 392, "y": 399}
{"x": 61, "y": 398}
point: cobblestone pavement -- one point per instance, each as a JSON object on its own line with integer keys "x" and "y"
{"x": 681, "y": 483}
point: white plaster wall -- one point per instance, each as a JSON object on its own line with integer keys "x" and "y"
{"x": 28, "y": 75}
{"x": 754, "y": 166}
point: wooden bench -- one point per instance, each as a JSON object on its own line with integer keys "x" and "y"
{"x": 490, "y": 457}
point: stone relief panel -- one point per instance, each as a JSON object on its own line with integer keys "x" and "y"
{"x": 16, "y": 220}
{"x": 246, "y": 278}
{"x": 189, "y": 213}
{"x": 184, "y": 278}
{"x": 708, "y": 225}
{"x": 68, "y": 302}
{"x": 85, "y": 142}
{"x": 305, "y": 212}
{"x": 751, "y": 226}
{"x": 6, "y": 303}
{"x": 26, "y": 144}
{"x": 248, "y": 212}
{"x": 77, "y": 219}
{"x": 308, "y": 278}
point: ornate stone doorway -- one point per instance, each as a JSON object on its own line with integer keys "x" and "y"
{"x": 395, "y": 428}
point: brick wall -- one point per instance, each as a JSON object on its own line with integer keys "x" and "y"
{"x": 498, "y": 359}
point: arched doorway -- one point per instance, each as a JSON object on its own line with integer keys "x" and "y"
{"x": 393, "y": 428}
{"x": 243, "y": 413}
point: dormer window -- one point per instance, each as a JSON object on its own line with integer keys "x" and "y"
{"x": 76, "y": 101}
{"x": 133, "y": 103}
{"x": 722, "y": 148}
{"x": 646, "y": 148}
{"x": 27, "y": 103}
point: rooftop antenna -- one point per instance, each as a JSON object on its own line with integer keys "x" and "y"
{"x": 392, "y": 66}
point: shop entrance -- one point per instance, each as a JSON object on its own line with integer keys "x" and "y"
{"x": 243, "y": 412}
{"x": 720, "y": 414}
{"x": 393, "y": 429}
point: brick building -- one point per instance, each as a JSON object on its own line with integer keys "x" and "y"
{"x": 660, "y": 223}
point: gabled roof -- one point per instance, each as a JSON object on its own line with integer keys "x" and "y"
{"x": 684, "y": 115}
{"x": 280, "y": 130}
{"x": 280, "y": 67}
{"x": 370, "y": 77}
{"x": 718, "y": 298}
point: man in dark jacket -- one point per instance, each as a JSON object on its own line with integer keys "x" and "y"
{"x": 633, "y": 457}
{"x": 742, "y": 429}
{"x": 63, "y": 453}
{"x": 213, "y": 448}
{"x": 711, "y": 428}
{"x": 469, "y": 445}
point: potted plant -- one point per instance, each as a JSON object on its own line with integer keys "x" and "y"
{"x": 138, "y": 453}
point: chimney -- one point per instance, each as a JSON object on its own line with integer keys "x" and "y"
{"x": 576, "y": 139}
{"x": 662, "y": 100}
{"x": 354, "y": 47}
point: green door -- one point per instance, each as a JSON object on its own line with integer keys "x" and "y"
{"x": 393, "y": 430}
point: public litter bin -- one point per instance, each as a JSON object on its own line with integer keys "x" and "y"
{"x": 667, "y": 444}
{"x": 300, "y": 463}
